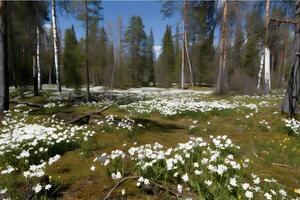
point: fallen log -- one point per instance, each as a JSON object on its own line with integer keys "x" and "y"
{"x": 84, "y": 119}
{"x": 26, "y": 103}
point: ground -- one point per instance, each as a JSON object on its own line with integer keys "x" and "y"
{"x": 252, "y": 122}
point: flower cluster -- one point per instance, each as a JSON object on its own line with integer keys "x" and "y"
{"x": 292, "y": 125}
{"x": 28, "y": 145}
{"x": 209, "y": 168}
{"x": 169, "y": 106}
{"x": 126, "y": 123}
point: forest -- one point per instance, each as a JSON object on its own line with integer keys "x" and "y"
{"x": 168, "y": 99}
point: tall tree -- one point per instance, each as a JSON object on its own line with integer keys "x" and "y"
{"x": 150, "y": 58}
{"x": 135, "y": 40}
{"x": 55, "y": 44}
{"x": 169, "y": 7}
{"x": 167, "y": 58}
{"x": 291, "y": 97}
{"x": 71, "y": 59}
{"x": 267, "y": 74}
{"x": 4, "y": 97}
{"x": 86, "y": 11}
{"x": 223, "y": 54}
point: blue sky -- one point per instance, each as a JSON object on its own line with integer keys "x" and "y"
{"x": 148, "y": 10}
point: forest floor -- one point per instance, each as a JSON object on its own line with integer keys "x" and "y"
{"x": 136, "y": 117}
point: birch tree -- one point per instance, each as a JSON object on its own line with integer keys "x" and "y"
{"x": 55, "y": 44}
{"x": 267, "y": 62}
{"x": 4, "y": 97}
{"x": 38, "y": 63}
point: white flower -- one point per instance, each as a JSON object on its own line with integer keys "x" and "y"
{"x": 185, "y": 177}
{"x": 268, "y": 196}
{"x": 48, "y": 187}
{"x": 37, "y": 188}
{"x": 197, "y": 172}
{"x": 256, "y": 181}
{"x": 249, "y": 194}
{"x": 123, "y": 192}
{"x": 245, "y": 186}
{"x": 179, "y": 188}
{"x": 116, "y": 176}
{"x": 3, "y": 191}
{"x": 208, "y": 183}
{"x": 233, "y": 182}
{"x": 283, "y": 193}
{"x": 93, "y": 168}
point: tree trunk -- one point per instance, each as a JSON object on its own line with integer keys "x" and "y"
{"x": 223, "y": 55}
{"x": 35, "y": 75}
{"x": 261, "y": 67}
{"x": 87, "y": 53}
{"x": 38, "y": 64}
{"x": 291, "y": 97}
{"x": 4, "y": 90}
{"x": 267, "y": 75}
{"x": 55, "y": 44}
{"x": 182, "y": 68}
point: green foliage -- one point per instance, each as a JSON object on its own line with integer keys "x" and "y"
{"x": 135, "y": 43}
{"x": 167, "y": 59}
{"x": 72, "y": 59}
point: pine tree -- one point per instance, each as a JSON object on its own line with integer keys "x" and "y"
{"x": 149, "y": 74}
{"x": 135, "y": 41}
{"x": 71, "y": 59}
{"x": 167, "y": 58}
{"x": 102, "y": 54}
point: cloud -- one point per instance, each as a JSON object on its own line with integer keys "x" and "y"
{"x": 157, "y": 50}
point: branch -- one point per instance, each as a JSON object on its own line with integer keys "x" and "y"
{"x": 282, "y": 165}
{"x": 118, "y": 184}
{"x": 284, "y": 21}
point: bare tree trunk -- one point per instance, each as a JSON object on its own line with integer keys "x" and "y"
{"x": 223, "y": 55}
{"x": 267, "y": 75}
{"x": 261, "y": 67}
{"x": 38, "y": 64}
{"x": 87, "y": 53}
{"x": 291, "y": 97}
{"x": 55, "y": 44}
{"x": 35, "y": 75}
{"x": 188, "y": 59}
{"x": 182, "y": 68}
{"x": 284, "y": 66}
{"x": 4, "y": 88}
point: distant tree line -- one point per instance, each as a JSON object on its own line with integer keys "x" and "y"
{"x": 229, "y": 44}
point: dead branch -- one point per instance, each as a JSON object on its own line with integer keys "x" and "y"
{"x": 282, "y": 165}
{"x": 287, "y": 21}
{"x": 118, "y": 184}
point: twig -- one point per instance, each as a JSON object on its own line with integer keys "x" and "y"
{"x": 255, "y": 154}
{"x": 281, "y": 165}
{"x": 166, "y": 189}
{"x": 118, "y": 184}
